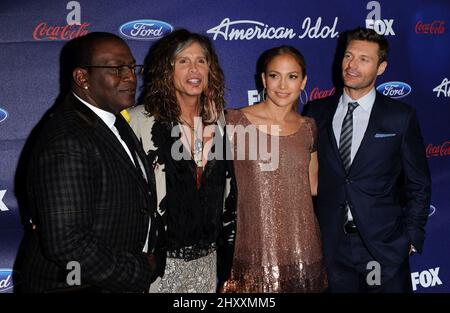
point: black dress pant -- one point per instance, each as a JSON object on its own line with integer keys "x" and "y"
{"x": 348, "y": 271}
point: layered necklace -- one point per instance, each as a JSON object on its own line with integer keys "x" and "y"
{"x": 196, "y": 148}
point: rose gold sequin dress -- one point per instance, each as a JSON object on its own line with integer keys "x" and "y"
{"x": 278, "y": 242}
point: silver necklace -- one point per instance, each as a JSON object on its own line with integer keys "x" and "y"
{"x": 197, "y": 147}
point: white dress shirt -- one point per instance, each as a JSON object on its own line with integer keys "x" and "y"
{"x": 109, "y": 120}
{"x": 361, "y": 117}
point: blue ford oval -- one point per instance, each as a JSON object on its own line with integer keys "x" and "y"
{"x": 145, "y": 29}
{"x": 395, "y": 89}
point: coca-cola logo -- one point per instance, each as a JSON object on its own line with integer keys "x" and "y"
{"x": 434, "y": 28}
{"x": 438, "y": 150}
{"x": 316, "y": 93}
{"x": 395, "y": 90}
{"x": 46, "y": 32}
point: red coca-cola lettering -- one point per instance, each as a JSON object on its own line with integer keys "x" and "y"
{"x": 435, "y": 28}
{"x": 316, "y": 93}
{"x": 438, "y": 150}
{"x": 66, "y": 32}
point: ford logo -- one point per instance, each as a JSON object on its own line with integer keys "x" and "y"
{"x": 3, "y": 115}
{"x": 432, "y": 210}
{"x": 6, "y": 281}
{"x": 145, "y": 29}
{"x": 394, "y": 90}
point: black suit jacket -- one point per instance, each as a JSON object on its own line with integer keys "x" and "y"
{"x": 90, "y": 205}
{"x": 388, "y": 186}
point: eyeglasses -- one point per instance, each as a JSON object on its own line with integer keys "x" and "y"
{"x": 121, "y": 70}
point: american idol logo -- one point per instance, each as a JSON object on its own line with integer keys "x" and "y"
{"x": 6, "y": 281}
{"x": 394, "y": 90}
{"x": 3, "y": 115}
{"x": 145, "y": 29}
{"x": 249, "y": 29}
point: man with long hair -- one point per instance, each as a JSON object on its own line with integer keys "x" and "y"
{"x": 181, "y": 126}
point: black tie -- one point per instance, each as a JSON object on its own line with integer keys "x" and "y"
{"x": 126, "y": 136}
{"x": 345, "y": 141}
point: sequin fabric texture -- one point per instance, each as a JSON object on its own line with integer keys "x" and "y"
{"x": 278, "y": 242}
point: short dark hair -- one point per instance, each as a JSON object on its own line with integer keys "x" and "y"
{"x": 276, "y": 51}
{"x": 84, "y": 46}
{"x": 366, "y": 34}
{"x": 78, "y": 52}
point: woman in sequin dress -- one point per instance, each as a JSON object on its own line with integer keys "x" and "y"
{"x": 278, "y": 242}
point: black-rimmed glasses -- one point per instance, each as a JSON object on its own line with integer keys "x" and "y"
{"x": 121, "y": 70}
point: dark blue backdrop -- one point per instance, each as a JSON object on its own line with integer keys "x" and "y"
{"x": 33, "y": 33}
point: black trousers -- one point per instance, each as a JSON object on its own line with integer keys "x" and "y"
{"x": 348, "y": 270}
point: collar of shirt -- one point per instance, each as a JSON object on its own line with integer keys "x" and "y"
{"x": 366, "y": 102}
{"x": 107, "y": 117}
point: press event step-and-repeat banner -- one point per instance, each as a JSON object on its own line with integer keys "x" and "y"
{"x": 32, "y": 33}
